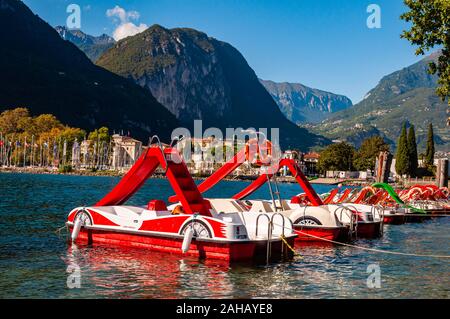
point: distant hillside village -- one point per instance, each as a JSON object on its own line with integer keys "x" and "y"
{"x": 44, "y": 143}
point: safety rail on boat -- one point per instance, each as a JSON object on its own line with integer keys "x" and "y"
{"x": 269, "y": 233}
{"x": 177, "y": 139}
{"x": 353, "y": 225}
{"x": 283, "y": 223}
{"x": 354, "y": 219}
{"x": 156, "y": 137}
{"x": 380, "y": 210}
{"x": 270, "y": 228}
{"x": 283, "y": 227}
{"x": 277, "y": 193}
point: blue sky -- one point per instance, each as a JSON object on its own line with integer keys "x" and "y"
{"x": 324, "y": 44}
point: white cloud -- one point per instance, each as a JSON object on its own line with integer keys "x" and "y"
{"x": 125, "y": 28}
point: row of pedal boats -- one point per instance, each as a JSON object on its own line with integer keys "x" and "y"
{"x": 240, "y": 229}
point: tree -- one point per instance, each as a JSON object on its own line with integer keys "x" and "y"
{"x": 46, "y": 122}
{"x": 370, "y": 148}
{"x": 336, "y": 157}
{"x": 402, "y": 156}
{"x": 429, "y": 154}
{"x": 101, "y": 135}
{"x": 412, "y": 149}
{"x": 14, "y": 121}
{"x": 430, "y": 28}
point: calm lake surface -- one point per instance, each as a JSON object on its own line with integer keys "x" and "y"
{"x": 34, "y": 259}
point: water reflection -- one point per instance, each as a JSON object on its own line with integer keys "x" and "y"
{"x": 129, "y": 272}
{"x": 34, "y": 260}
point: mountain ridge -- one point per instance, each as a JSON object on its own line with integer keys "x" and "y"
{"x": 46, "y": 74}
{"x": 406, "y": 95}
{"x": 92, "y": 46}
{"x": 300, "y": 103}
{"x": 198, "y": 77}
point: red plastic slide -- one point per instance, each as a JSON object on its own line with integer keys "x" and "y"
{"x": 296, "y": 172}
{"x": 344, "y": 196}
{"x": 177, "y": 173}
{"x": 330, "y": 197}
{"x": 246, "y": 153}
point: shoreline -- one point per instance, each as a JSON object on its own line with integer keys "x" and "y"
{"x": 157, "y": 175}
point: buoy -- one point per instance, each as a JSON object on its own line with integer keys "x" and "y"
{"x": 76, "y": 229}
{"x": 187, "y": 240}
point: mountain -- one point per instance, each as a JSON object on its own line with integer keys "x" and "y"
{"x": 92, "y": 46}
{"x": 198, "y": 77}
{"x": 405, "y": 95}
{"x": 46, "y": 74}
{"x": 300, "y": 103}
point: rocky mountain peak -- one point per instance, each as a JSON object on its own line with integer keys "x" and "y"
{"x": 300, "y": 103}
{"x": 198, "y": 77}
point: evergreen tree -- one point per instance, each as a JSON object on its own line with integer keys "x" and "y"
{"x": 402, "y": 156}
{"x": 412, "y": 149}
{"x": 429, "y": 154}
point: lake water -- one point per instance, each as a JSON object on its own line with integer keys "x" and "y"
{"x": 34, "y": 260}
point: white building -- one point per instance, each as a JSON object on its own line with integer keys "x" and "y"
{"x": 126, "y": 151}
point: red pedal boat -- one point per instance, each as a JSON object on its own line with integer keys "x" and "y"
{"x": 192, "y": 227}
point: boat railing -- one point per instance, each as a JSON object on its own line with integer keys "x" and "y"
{"x": 269, "y": 233}
{"x": 156, "y": 137}
{"x": 282, "y": 224}
{"x": 380, "y": 209}
{"x": 353, "y": 218}
{"x": 277, "y": 193}
{"x": 177, "y": 139}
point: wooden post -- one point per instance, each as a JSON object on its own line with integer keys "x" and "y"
{"x": 383, "y": 167}
{"x": 442, "y": 173}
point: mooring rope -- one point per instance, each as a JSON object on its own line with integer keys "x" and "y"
{"x": 425, "y": 215}
{"x": 58, "y": 231}
{"x": 367, "y": 248}
{"x": 283, "y": 238}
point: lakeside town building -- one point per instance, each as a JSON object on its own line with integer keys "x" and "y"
{"x": 126, "y": 151}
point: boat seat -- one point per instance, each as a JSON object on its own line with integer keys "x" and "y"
{"x": 119, "y": 210}
{"x": 261, "y": 207}
{"x": 283, "y": 204}
{"x": 225, "y": 205}
{"x": 157, "y": 205}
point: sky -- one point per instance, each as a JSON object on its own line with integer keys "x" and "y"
{"x": 324, "y": 44}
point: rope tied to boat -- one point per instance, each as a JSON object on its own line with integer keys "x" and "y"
{"x": 283, "y": 239}
{"x": 58, "y": 231}
{"x": 370, "y": 249}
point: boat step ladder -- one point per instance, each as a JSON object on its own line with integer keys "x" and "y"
{"x": 270, "y": 228}
{"x": 277, "y": 192}
{"x": 353, "y": 218}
